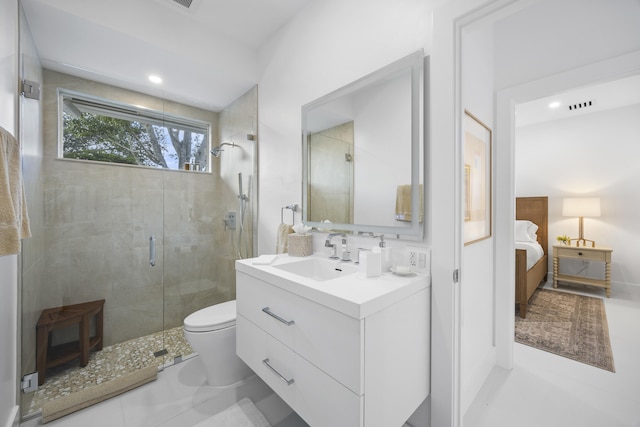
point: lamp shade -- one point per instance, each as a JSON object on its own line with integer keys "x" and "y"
{"x": 581, "y": 206}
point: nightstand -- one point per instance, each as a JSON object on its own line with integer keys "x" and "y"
{"x": 600, "y": 253}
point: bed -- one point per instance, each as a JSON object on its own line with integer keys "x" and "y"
{"x": 531, "y": 249}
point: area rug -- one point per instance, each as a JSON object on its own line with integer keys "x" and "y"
{"x": 569, "y": 325}
{"x": 241, "y": 414}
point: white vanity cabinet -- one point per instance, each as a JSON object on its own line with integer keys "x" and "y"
{"x": 346, "y": 352}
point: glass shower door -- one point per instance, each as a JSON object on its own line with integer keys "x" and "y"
{"x": 96, "y": 237}
{"x": 193, "y": 278}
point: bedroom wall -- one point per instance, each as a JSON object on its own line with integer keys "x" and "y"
{"x": 595, "y": 155}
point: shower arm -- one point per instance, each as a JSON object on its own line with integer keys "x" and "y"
{"x": 215, "y": 151}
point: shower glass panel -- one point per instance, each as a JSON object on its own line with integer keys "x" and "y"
{"x": 330, "y": 194}
{"x": 201, "y": 243}
{"x": 154, "y": 244}
{"x": 95, "y": 227}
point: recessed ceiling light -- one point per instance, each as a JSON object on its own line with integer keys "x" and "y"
{"x": 554, "y": 104}
{"x": 155, "y": 79}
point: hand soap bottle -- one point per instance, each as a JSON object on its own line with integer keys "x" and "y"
{"x": 385, "y": 254}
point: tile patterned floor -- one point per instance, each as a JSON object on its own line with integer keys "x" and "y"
{"x": 109, "y": 363}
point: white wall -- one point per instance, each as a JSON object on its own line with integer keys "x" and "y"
{"x": 589, "y": 155}
{"x": 477, "y": 293}
{"x": 330, "y": 44}
{"x": 552, "y": 36}
{"x": 8, "y": 264}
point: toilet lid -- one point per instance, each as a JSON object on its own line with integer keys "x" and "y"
{"x": 212, "y": 318}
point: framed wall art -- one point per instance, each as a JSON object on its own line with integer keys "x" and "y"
{"x": 477, "y": 179}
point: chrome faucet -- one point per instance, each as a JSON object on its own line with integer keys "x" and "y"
{"x": 345, "y": 256}
{"x": 357, "y": 261}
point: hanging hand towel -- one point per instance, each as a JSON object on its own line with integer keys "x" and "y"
{"x": 403, "y": 203}
{"x": 282, "y": 245}
{"x": 14, "y": 222}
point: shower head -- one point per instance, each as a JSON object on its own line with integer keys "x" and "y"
{"x": 215, "y": 151}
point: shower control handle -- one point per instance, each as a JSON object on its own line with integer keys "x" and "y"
{"x": 152, "y": 251}
{"x": 278, "y": 318}
{"x": 278, "y": 374}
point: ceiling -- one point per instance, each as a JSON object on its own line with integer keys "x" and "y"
{"x": 591, "y": 99}
{"x": 207, "y": 54}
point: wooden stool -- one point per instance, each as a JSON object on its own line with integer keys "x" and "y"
{"x": 48, "y": 356}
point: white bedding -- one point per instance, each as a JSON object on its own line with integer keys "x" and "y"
{"x": 534, "y": 252}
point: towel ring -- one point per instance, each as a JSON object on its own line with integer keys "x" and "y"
{"x": 293, "y": 208}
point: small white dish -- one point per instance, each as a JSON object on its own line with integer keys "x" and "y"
{"x": 325, "y": 230}
{"x": 402, "y": 270}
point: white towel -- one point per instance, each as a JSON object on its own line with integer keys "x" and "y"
{"x": 241, "y": 414}
{"x": 403, "y": 203}
{"x": 282, "y": 242}
{"x": 14, "y": 221}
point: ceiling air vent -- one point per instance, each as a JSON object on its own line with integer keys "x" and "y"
{"x": 184, "y": 3}
{"x": 580, "y": 105}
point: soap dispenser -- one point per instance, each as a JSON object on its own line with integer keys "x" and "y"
{"x": 385, "y": 254}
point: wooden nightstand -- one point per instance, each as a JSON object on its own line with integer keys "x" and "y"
{"x": 599, "y": 253}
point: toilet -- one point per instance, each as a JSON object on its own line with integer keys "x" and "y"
{"x": 211, "y": 332}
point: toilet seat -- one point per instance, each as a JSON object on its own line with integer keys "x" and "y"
{"x": 212, "y": 318}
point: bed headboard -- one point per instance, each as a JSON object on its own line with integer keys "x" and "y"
{"x": 536, "y": 210}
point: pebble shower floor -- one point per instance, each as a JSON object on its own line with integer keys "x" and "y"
{"x": 109, "y": 363}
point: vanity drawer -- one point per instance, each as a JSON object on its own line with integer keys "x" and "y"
{"x": 314, "y": 395}
{"x": 328, "y": 339}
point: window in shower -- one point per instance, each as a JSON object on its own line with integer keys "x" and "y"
{"x": 100, "y": 130}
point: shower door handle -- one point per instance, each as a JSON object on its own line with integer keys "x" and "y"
{"x": 152, "y": 251}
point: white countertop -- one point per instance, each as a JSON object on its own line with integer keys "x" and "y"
{"x": 353, "y": 295}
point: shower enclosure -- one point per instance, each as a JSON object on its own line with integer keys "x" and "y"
{"x": 155, "y": 244}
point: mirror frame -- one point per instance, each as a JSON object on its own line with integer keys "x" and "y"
{"x": 414, "y": 62}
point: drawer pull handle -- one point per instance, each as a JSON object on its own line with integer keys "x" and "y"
{"x": 289, "y": 382}
{"x": 278, "y": 318}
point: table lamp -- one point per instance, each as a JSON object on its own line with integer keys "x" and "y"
{"x": 581, "y": 207}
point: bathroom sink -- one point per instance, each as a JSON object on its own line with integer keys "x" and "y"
{"x": 319, "y": 269}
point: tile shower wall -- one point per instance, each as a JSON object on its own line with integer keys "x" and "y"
{"x": 237, "y": 122}
{"x": 96, "y": 224}
{"x": 200, "y": 252}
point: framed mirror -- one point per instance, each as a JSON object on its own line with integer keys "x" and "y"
{"x": 363, "y": 154}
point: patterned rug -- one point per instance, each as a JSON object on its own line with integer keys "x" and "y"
{"x": 569, "y": 325}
